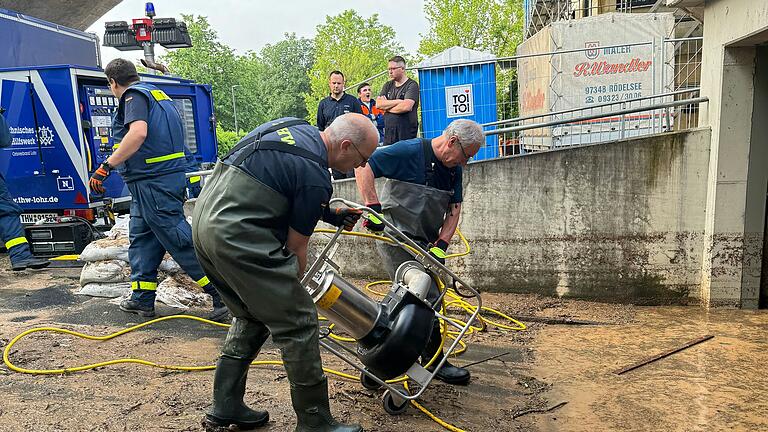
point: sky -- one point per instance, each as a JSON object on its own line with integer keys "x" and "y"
{"x": 247, "y": 25}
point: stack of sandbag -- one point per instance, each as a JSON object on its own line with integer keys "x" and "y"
{"x": 106, "y": 272}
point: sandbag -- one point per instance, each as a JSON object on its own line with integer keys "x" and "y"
{"x": 168, "y": 265}
{"x": 112, "y": 271}
{"x": 106, "y": 250}
{"x": 108, "y": 290}
{"x": 180, "y": 291}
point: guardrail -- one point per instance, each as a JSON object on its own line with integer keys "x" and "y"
{"x": 599, "y": 123}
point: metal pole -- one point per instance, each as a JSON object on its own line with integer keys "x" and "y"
{"x": 234, "y": 106}
{"x": 149, "y": 56}
{"x": 653, "y": 83}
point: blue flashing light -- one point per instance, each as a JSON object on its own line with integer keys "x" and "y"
{"x": 149, "y": 9}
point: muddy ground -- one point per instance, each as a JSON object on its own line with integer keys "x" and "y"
{"x": 718, "y": 385}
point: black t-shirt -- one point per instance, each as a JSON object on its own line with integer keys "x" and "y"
{"x": 403, "y": 126}
{"x": 303, "y": 182}
{"x": 330, "y": 108}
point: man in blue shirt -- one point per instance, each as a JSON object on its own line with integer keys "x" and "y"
{"x": 251, "y": 227}
{"x": 422, "y": 197}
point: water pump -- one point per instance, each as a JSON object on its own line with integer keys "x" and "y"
{"x": 391, "y": 334}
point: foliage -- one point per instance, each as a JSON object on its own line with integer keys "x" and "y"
{"x": 494, "y": 26}
{"x": 209, "y": 62}
{"x": 258, "y": 87}
{"x": 227, "y": 139}
{"x": 357, "y": 46}
{"x": 285, "y": 81}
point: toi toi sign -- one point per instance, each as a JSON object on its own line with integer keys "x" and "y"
{"x": 458, "y": 101}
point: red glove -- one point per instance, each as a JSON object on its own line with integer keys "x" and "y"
{"x": 97, "y": 179}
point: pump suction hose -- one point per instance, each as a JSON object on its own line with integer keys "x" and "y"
{"x": 455, "y": 302}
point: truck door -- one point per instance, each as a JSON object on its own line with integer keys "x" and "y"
{"x": 195, "y": 104}
{"x": 43, "y": 168}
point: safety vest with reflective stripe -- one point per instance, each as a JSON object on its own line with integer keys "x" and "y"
{"x": 163, "y": 150}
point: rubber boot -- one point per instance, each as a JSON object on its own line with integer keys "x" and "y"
{"x": 229, "y": 412}
{"x": 449, "y": 373}
{"x": 313, "y": 411}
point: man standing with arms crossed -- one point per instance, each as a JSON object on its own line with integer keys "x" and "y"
{"x": 152, "y": 160}
{"x": 422, "y": 197}
{"x": 399, "y": 99}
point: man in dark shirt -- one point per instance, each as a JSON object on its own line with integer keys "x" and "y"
{"x": 251, "y": 227}
{"x": 422, "y": 197}
{"x": 151, "y": 156}
{"x": 399, "y": 99}
{"x": 337, "y": 102}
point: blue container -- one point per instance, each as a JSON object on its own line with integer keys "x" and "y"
{"x": 453, "y": 92}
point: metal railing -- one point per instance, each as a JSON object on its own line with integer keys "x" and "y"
{"x": 596, "y": 124}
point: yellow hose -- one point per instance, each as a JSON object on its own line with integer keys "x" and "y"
{"x": 456, "y": 302}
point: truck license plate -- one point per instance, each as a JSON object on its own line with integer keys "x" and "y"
{"x": 31, "y": 218}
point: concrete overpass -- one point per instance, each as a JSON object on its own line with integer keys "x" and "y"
{"x": 78, "y": 14}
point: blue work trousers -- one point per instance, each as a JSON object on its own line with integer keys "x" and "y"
{"x": 158, "y": 225}
{"x": 11, "y": 231}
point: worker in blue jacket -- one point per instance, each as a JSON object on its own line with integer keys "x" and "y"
{"x": 152, "y": 159}
{"x": 11, "y": 231}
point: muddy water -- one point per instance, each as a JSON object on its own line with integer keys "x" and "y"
{"x": 721, "y": 384}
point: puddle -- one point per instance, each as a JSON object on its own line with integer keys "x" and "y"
{"x": 719, "y": 384}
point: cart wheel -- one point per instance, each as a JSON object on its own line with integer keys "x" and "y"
{"x": 390, "y": 406}
{"x": 368, "y": 382}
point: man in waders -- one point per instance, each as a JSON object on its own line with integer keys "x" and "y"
{"x": 151, "y": 157}
{"x": 422, "y": 197}
{"x": 251, "y": 226}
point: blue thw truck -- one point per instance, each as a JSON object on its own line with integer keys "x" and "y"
{"x": 60, "y": 117}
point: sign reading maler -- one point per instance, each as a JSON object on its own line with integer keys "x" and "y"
{"x": 613, "y": 60}
{"x": 609, "y": 71}
{"x": 458, "y": 101}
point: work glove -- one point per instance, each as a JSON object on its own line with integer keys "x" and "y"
{"x": 346, "y": 217}
{"x": 371, "y": 222}
{"x": 437, "y": 250}
{"x": 97, "y": 179}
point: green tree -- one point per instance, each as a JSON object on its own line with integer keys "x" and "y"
{"x": 284, "y": 76}
{"x": 495, "y": 26}
{"x": 357, "y": 46}
{"x": 208, "y": 61}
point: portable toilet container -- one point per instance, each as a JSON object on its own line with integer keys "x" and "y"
{"x": 459, "y": 83}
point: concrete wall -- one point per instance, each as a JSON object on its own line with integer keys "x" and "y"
{"x": 616, "y": 222}
{"x": 735, "y": 190}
